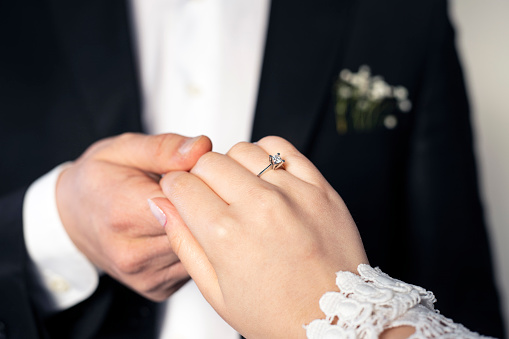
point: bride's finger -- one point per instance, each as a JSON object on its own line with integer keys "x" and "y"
{"x": 205, "y": 213}
{"x": 229, "y": 179}
{"x": 255, "y": 159}
{"x": 190, "y": 252}
{"x": 296, "y": 163}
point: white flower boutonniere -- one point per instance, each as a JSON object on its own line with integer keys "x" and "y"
{"x": 364, "y": 102}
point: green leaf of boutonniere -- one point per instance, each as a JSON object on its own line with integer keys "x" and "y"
{"x": 365, "y": 102}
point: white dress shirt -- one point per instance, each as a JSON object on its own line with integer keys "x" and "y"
{"x": 200, "y": 63}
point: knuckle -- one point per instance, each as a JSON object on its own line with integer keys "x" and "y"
{"x": 126, "y": 264}
{"x": 150, "y": 285}
{"x": 162, "y": 145}
{"x": 268, "y": 200}
{"x": 124, "y": 260}
{"x": 271, "y": 140}
{"x": 220, "y": 227}
{"x": 207, "y": 160}
{"x": 310, "y": 248}
{"x": 176, "y": 183}
{"x": 316, "y": 194}
{"x": 240, "y": 148}
{"x": 163, "y": 283}
{"x": 125, "y": 137}
{"x": 116, "y": 220}
{"x": 103, "y": 148}
{"x": 316, "y": 201}
{"x": 96, "y": 148}
{"x": 156, "y": 296}
{"x": 221, "y": 232}
{"x": 174, "y": 275}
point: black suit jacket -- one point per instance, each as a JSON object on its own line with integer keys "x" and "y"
{"x": 68, "y": 78}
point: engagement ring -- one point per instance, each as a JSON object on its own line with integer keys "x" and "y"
{"x": 275, "y": 163}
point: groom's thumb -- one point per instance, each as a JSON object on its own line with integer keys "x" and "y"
{"x": 160, "y": 153}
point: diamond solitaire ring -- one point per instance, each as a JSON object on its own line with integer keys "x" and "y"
{"x": 275, "y": 163}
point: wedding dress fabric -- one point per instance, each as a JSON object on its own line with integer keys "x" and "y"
{"x": 372, "y": 302}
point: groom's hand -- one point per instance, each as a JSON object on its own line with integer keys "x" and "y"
{"x": 102, "y": 201}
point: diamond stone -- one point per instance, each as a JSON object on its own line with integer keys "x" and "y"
{"x": 276, "y": 160}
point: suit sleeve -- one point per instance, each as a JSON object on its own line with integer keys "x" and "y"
{"x": 112, "y": 308}
{"x": 53, "y": 273}
{"x": 17, "y": 319}
{"x": 446, "y": 220}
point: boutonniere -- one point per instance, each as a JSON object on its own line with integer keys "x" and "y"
{"x": 365, "y": 102}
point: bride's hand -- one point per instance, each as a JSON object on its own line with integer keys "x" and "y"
{"x": 262, "y": 250}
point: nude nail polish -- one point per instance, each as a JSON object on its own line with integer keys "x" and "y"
{"x": 188, "y": 145}
{"x": 157, "y": 212}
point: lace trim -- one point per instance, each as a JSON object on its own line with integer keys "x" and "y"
{"x": 372, "y": 302}
{"x": 433, "y": 325}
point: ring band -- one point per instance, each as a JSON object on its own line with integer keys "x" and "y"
{"x": 275, "y": 162}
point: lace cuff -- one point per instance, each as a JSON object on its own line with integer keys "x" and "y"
{"x": 372, "y": 302}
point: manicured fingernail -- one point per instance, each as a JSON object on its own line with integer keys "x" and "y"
{"x": 157, "y": 212}
{"x": 188, "y": 145}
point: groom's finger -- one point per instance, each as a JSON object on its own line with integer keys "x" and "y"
{"x": 190, "y": 252}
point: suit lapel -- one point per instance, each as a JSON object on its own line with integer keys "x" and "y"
{"x": 305, "y": 42}
{"x": 95, "y": 40}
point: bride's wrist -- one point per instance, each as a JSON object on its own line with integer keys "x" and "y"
{"x": 367, "y": 304}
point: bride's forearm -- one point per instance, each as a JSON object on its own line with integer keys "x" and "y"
{"x": 401, "y": 332}
{"x": 263, "y": 251}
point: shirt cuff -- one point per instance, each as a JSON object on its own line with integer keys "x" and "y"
{"x": 64, "y": 272}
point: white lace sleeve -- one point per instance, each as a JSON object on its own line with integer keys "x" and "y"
{"x": 372, "y": 302}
